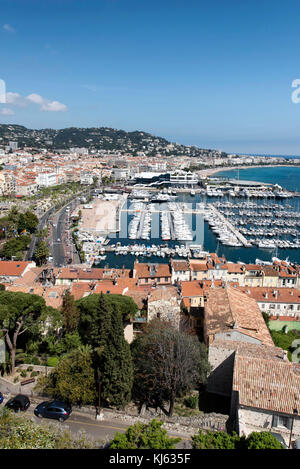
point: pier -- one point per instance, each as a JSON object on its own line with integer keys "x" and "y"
{"x": 231, "y": 228}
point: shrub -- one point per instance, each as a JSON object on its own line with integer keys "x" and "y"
{"x": 191, "y": 402}
{"x": 16, "y": 379}
{"x": 29, "y": 368}
{"x": 35, "y": 361}
{"x": 52, "y": 361}
{"x": 23, "y": 373}
{"x": 33, "y": 374}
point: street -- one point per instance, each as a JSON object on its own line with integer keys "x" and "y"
{"x": 102, "y": 431}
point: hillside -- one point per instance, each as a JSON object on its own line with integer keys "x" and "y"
{"x": 95, "y": 138}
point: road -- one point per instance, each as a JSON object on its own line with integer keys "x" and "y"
{"x": 60, "y": 237}
{"x": 102, "y": 431}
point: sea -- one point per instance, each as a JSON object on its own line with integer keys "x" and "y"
{"x": 286, "y": 177}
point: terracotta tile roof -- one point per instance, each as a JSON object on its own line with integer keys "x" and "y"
{"x": 179, "y": 265}
{"x": 270, "y": 272}
{"x": 228, "y": 308}
{"x": 192, "y": 288}
{"x": 267, "y": 384}
{"x": 250, "y": 350}
{"x": 13, "y": 268}
{"x": 163, "y": 293}
{"x": 273, "y": 295}
{"x": 235, "y": 268}
{"x": 152, "y": 270}
{"x": 198, "y": 267}
{"x": 253, "y": 267}
{"x": 70, "y": 273}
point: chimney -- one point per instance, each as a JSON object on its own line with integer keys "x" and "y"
{"x": 266, "y": 294}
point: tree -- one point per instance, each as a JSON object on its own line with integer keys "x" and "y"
{"x": 41, "y": 252}
{"x": 19, "y": 313}
{"x": 95, "y": 312}
{"x": 73, "y": 379}
{"x": 222, "y": 440}
{"x": 262, "y": 440}
{"x": 70, "y": 312}
{"x": 215, "y": 440}
{"x": 167, "y": 364}
{"x": 116, "y": 365}
{"x": 27, "y": 221}
{"x": 144, "y": 436}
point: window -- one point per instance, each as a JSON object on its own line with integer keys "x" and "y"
{"x": 282, "y": 421}
{"x": 166, "y": 279}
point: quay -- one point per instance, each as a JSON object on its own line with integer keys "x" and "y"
{"x": 231, "y": 228}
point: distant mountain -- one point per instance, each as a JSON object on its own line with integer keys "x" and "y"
{"x": 95, "y": 138}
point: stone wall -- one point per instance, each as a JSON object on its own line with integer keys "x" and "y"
{"x": 251, "y": 420}
{"x": 166, "y": 310}
{"x": 220, "y": 378}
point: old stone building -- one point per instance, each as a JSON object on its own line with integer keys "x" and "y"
{"x": 164, "y": 303}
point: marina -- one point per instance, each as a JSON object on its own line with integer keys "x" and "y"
{"x": 243, "y": 221}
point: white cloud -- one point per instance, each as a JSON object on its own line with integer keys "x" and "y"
{"x": 6, "y": 112}
{"x": 54, "y": 106}
{"x": 44, "y": 103}
{"x": 16, "y": 99}
{"x": 35, "y": 98}
{"x": 8, "y": 28}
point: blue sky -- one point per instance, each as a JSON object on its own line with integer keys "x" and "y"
{"x": 215, "y": 74}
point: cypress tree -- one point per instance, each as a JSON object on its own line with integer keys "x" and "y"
{"x": 70, "y": 312}
{"x": 116, "y": 365}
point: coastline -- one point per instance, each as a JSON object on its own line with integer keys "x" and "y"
{"x": 212, "y": 171}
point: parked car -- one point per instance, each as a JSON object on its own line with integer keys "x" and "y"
{"x": 280, "y": 439}
{"x": 18, "y": 403}
{"x": 1, "y": 398}
{"x": 53, "y": 410}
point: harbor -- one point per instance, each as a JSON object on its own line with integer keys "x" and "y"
{"x": 243, "y": 222}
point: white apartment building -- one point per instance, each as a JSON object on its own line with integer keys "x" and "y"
{"x": 46, "y": 179}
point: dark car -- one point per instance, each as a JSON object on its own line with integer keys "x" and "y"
{"x": 53, "y": 410}
{"x": 18, "y": 403}
{"x": 280, "y": 439}
{"x": 1, "y": 397}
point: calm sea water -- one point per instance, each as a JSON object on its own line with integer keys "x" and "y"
{"x": 287, "y": 177}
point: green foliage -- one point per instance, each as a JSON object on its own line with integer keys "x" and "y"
{"x": 167, "y": 364}
{"x": 73, "y": 379}
{"x": 285, "y": 340}
{"x": 20, "y": 319}
{"x": 27, "y": 221}
{"x": 116, "y": 364}
{"x": 19, "y": 432}
{"x": 215, "y": 440}
{"x": 41, "y": 252}
{"x": 144, "y": 436}
{"x": 191, "y": 402}
{"x": 262, "y": 440}
{"x": 23, "y": 373}
{"x": 70, "y": 312}
{"x": 15, "y": 247}
{"x": 222, "y": 440}
{"x": 91, "y": 312}
{"x": 52, "y": 361}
